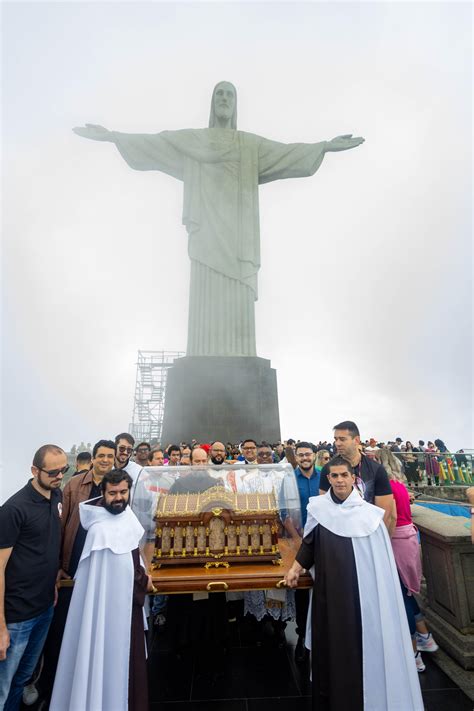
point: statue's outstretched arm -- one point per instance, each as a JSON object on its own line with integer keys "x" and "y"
{"x": 94, "y": 132}
{"x": 343, "y": 143}
{"x": 142, "y": 151}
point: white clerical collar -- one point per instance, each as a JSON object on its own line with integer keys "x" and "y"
{"x": 354, "y": 518}
{"x": 121, "y": 533}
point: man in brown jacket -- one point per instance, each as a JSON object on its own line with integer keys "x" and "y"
{"x": 79, "y": 488}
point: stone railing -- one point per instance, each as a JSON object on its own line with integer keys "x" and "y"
{"x": 451, "y": 493}
{"x": 448, "y": 567}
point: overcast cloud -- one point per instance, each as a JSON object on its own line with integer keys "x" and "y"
{"x": 365, "y": 290}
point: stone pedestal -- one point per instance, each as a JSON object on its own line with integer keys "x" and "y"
{"x": 218, "y": 398}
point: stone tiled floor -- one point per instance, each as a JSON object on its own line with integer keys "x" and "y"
{"x": 262, "y": 678}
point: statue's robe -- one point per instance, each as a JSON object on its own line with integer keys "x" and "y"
{"x": 221, "y": 170}
{"x": 102, "y": 663}
{"x": 362, "y": 655}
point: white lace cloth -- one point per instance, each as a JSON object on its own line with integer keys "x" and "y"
{"x": 260, "y": 603}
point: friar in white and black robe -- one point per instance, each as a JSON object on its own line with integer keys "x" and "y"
{"x": 102, "y": 664}
{"x": 362, "y": 656}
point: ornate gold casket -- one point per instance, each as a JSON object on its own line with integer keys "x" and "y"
{"x": 216, "y": 527}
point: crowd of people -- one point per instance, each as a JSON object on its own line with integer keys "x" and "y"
{"x": 88, "y": 639}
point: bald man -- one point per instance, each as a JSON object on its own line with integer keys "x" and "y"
{"x": 203, "y": 624}
{"x": 217, "y": 453}
{"x": 195, "y": 478}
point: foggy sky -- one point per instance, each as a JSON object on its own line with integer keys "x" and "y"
{"x": 365, "y": 290}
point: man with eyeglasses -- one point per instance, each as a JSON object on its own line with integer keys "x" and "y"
{"x": 30, "y": 537}
{"x": 125, "y": 443}
{"x": 78, "y": 489}
{"x": 249, "y": 451}
{"x": 263, "y": 480}
{"x": 307, "y": 479}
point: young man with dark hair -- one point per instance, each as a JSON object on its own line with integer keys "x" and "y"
{"x": 104, "y": 631}
{"x": 30, "y": 537}
{"x": 123, "y": 459}
{"x": 174, "y": 455}
{"x": 156, "y": 457}
{"x": 264, "y": 453}
{"x": 249, "y": 451}
{"x": 357, "y": 599}
{"x": 185, "y": 458}
{"x": 83, "y": 463}
{"x": 307, "y": 480}
{"x": 142, "y": 451}
{"x": 81, "y": 488}
{"x": 371, "y": 478}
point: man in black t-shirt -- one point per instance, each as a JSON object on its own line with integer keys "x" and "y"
{"x": 371, "y": 478}
{"x": 30, "y": 537}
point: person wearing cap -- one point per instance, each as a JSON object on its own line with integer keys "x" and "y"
{"x": 371, "y": 449}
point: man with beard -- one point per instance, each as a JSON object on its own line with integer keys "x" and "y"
{"x": 102, "y": 664}
{"x": 307, "y": 479}
{"x": 195, "y": 480}
{"x": 30, "y": 536}
{"x": 82, "y": 487}
{"x": 217, "y": 453}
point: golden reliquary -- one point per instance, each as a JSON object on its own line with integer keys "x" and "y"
{"x": 216, "y": 527}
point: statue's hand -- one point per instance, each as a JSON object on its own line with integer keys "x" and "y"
{"x": 94, "y": 132}
{"x": 343, "y": 143}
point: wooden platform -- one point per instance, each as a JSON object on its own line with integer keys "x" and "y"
{"x": 237, "y": 577}
{"x": 175, "y": 580}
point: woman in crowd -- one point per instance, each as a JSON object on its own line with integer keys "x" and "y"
{"x": 432, "y": 464}
{"x": 411, "y": 465}
{"x": 390, "y": 463}
{"x": 407, "y": 557}
{"x": 440, "y": 446}
{"x": 322, "y": 458}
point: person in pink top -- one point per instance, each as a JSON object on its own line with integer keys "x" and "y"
{"x": 407, "y": 557}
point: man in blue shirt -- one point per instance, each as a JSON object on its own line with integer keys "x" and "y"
{"x": 307, "y": 479}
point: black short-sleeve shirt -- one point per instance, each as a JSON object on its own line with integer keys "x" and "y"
{"x": 30, "y": 524}
{"x": 371, "y": 479}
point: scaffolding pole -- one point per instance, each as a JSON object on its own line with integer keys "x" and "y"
{"x": 150, "y": 391}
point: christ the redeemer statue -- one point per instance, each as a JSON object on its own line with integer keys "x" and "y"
{"x": 221, "y": 169}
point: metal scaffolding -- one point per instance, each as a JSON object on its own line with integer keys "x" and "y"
{"x": 150, "y": 388}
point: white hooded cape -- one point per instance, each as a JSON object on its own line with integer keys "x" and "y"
{"x": 92, "y": 673}
{"x": 390, "y": 677}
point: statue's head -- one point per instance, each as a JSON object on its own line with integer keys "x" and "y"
{"x": 223, "y": 104}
